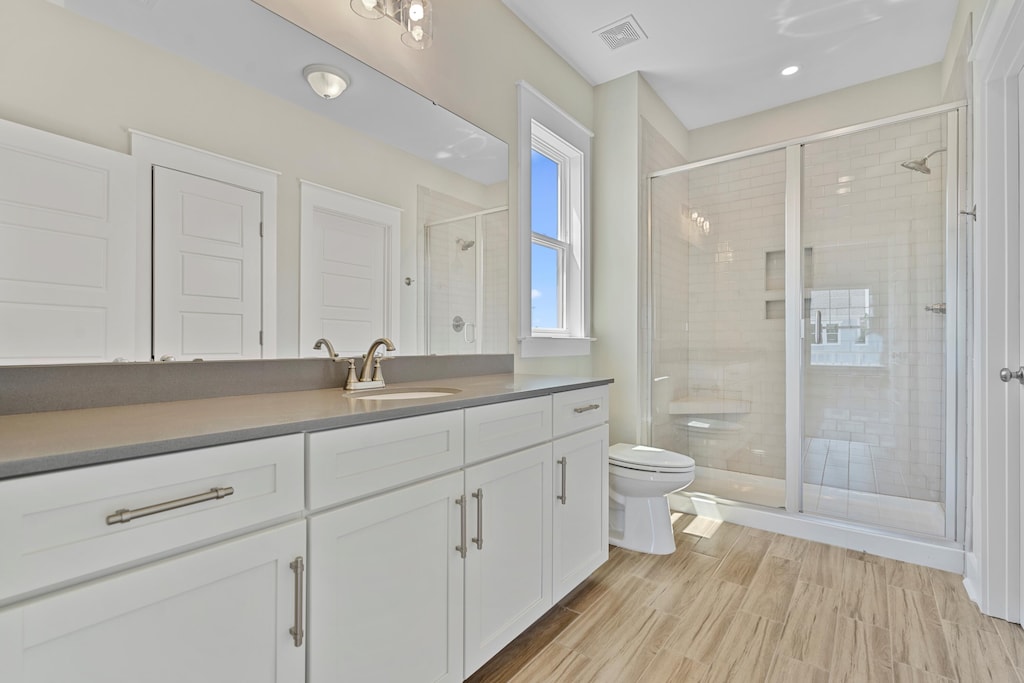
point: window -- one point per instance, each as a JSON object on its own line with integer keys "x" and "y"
{"x": 554, "y": 269}
{"x": 845, "y": 336}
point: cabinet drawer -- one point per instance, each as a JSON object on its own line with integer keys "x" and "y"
{"x": 356, "y": 461}
{"x": 580, "y": 409}
{"x": 506, "y": 427}
{"x": 54, "y": 527}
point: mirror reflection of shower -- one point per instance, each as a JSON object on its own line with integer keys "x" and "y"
{"x": 465, "y": 300}
{"x": 921, "y": 165}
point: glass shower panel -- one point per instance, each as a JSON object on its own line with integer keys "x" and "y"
{"x": 873, "y": 233}
{"x": 718, "y": 316}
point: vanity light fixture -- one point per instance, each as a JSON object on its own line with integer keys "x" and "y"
{"x": 415, "y": 16}
{"x": 326, "y": 81}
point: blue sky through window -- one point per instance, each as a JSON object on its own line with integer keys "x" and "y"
{"x": 544, "y": 293}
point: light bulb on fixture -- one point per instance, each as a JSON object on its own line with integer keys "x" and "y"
{"x": 326, "y": 81}
{"x": 368, "y": 9}
{"x": 417, "y": 19}
{"x": 413, "y": 15}
{"x": 416, "y": 10}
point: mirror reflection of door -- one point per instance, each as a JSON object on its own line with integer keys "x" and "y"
{"x": 349, "y": 254}
{"x": 67, "y": 250}
{"x": 206, "y": 268}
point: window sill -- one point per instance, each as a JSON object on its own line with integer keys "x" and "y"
{"x": 544, "y": 347}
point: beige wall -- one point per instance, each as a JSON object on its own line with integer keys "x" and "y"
{"x": 615, "y": 247}
{"x": 907, "y": 91}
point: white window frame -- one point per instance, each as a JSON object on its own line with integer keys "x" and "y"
{"x": 547, "y": 128}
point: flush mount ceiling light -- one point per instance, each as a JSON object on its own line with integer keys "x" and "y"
{"x": 790, "y": 70}
{"x": 326, "y": 81}
{"x": 415, "y": 16}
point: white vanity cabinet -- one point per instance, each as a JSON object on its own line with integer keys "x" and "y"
{"x": 386, "y": 587}
{"x": 218, "y": 614}
{"x": 222, "y": 595}
{"x": 508, "y": 565}
{"x": 580, "y": 514}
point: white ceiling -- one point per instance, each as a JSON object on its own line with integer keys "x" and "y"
{"x": 715, "y": 60}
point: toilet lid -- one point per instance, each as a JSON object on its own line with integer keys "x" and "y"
{"x": 648, "y": 458}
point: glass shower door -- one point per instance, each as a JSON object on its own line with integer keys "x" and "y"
{"x": 718, "y": 315}
{"x": 453, "y": 287}
{"x": 873, "y": 229}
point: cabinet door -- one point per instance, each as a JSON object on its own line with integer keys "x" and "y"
{"x": 580, "y": 507}
{"x": 218, "y": 614}
{"x": 508, "y": 568}
{"x": 386, "y": 587}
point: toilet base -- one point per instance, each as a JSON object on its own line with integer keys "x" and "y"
{"x": 646, "y": 525}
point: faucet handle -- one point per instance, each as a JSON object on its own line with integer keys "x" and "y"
{"x": 350, "y": 379}
{"x": 378, "y": 376}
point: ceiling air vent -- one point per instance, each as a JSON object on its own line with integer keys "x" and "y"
{"x": 621, "y": 32}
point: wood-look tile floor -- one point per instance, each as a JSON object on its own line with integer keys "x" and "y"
{"x": 739, "y": 605}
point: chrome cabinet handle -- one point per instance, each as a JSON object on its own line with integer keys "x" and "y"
{"x": 124, "y": 515}
{"x": 1006, "y": 374}
{"x": 479, "y": 539}
{"x": 461, "y": 547}
{"x": 564, "y": 462}
{"x": 583, "y": 409}
{"x": 296, "y": 631}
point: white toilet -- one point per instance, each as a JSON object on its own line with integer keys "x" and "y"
{"x": 639, "y": 479}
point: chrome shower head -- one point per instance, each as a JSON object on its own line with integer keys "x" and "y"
{"x": 921, "y": 165}
{"x": 465, "y": 244}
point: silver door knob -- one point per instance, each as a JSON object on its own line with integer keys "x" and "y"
{"x": 1006, "y": 374}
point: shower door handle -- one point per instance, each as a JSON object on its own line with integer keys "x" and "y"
{"x": 817, "y": 328}
{"x": 1006, "y": 374}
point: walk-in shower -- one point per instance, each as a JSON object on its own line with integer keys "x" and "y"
{"x": 806, "y": 324}
{"x": 466, "y": 275}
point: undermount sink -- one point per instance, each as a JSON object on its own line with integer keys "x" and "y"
{"x": 404, "y": 394}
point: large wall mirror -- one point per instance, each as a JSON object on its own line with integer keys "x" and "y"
{"x": 226, "y": 77}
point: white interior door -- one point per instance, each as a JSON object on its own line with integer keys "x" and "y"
{"x": 67, "y": 250}
{"x": 206, "y": 268}
{"x": 349, "y": 258}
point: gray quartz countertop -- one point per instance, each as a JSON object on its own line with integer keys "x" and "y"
{"x": 42, "y": 442}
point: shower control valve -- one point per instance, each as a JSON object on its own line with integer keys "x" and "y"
{"x": 1006, "y": 374}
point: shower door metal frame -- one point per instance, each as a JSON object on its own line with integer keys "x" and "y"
{"x": 955, "y": 288}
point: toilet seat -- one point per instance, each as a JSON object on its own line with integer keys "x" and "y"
{"x": 649, "y": 459}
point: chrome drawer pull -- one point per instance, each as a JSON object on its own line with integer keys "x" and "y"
{"x": 479, "y": 539}
{"x": 461, "y": 547}
{"x": 124, "y": 515}
{"x": 296, "y": 631}
{"x": 564, "y": 462}
{"x": 583, "y": 409}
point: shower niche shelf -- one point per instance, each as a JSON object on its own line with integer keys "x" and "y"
{"x": 707, "y": 406}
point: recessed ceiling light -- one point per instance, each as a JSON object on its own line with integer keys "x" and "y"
{"x": 790, "y": 70}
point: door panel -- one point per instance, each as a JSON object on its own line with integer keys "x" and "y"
{"x": 206, "y": 268}
{"x": 67, "y": 250}
{"x": 348, "y": 258}
{"x": 387, "y": 579}
{"x": 508, "y": 578}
